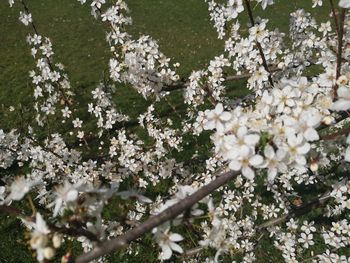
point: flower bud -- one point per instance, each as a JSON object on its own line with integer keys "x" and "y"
{"x": 38, "y": 241}
{"x": 66, "y": 258}
{"x": 49, "y": 253}
{"x": 342, "y": 80}
{"x": 57, "y": 240}
{"x": 328, "y": 120}
{"x": 314, "y": 166}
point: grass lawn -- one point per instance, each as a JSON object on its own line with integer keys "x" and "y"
{"x": 184, "y": 33}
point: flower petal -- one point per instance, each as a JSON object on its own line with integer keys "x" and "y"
{"x": 175, "y": 237}
{"x": 341, "y": 105}
{"x": 176, "y": 247}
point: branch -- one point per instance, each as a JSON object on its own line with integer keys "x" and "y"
{"x": 298, "y": 211}
{"x": 334, "y": 16}
{"x": 75, "y": 232}
{"x": 26, "y": 9}
{"x": 172, "y": 212}
{"x": 340, "y": 47}
{"x": 332, "y": 136}
{"x": 183, "y": 84}
{"x": 251, "y": 17}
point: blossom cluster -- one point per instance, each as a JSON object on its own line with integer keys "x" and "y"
{"x": 287, "y": 144}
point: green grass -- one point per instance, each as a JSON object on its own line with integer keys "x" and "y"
{"x": 183, "y": 31}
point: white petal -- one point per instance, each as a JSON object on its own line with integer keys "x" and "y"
{"x": 209, "y": 125}
{"x": 347, "y": 154}
{"x": 243, "y": 150}
{"x": 269, "y": 152}
{"x": 175, "y": 237}
{"x": 72, "y": 195}
{"x": 241, "y": 131}
{"x": 251, "y": 139}
{"x": 235, "y": 165}
{"x": 219, "y": 108}
{"x": 311, "y": 135}
{"x": 57, "y": 206}
{"x": 166, "y": 252}
{"x": 271, "y": 174}
{"x": 343, "y": 92}
{"x": 176, "y": 247}
{"x": 280, "y": 154}
{"x": 341, "y": 105}
{"x": 40, "y": 224}
{"x": 220, "y": 127}
{"x": 248, "y": 173}
{"x": 300, "y": 159}
{"x": 304, "y": 148}
{"x": 225, "y": 116}
{"x": 344, "y": 3}
{"x": 256, "y": 160}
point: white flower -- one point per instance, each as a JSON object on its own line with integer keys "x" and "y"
{"x": 308, "y": 227}
{"x": 39, "y": 237}
{"x": 77, "y": 123}
{"x": 25, "y": 18}
{"x": 133, "y": 193}
{"x": 241, "y": 143}
{"x": 166, "y": 240}
{"x": 297, "y": 149}
{"x": 216, "y": 118}
{"x": 284, "y": 98}
{"x": 306, "y": 239}
{"x": 273, "y": 161}
{"x": 64, "y": 194}
{"x": 343, "y": 102}
{"x": 66, "y": 112}
{"x": 19, "y": 188}
{"x": 344, "y": 3}
{"x": 245, "y": 163}
{"x": 265, "y": 3}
